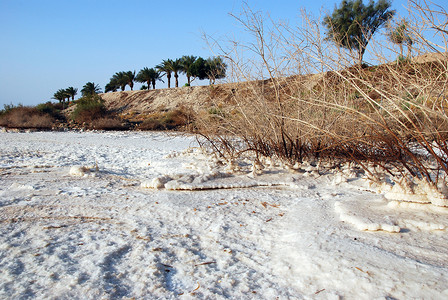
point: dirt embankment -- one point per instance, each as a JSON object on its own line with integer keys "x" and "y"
{"x": 150, "y": 101}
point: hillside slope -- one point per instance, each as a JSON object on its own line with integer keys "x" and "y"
{"x": 148, "y": 101}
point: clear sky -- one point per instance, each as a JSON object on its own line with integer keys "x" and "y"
{"x": 46, "y": 45}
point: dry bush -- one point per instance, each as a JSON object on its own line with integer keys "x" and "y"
{"x": 315, "y": 104}
{"x": 175, "y": 119}
{"x": 26, "y": 117}
{"x": 109, "y": 123}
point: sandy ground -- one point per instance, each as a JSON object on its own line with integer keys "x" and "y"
{"x": 79, "y": 221}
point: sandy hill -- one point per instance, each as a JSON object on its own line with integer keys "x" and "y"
{"x": 139, "y": 102}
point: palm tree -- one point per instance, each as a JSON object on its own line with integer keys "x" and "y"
{"x": 90, "y": 88}
{"x": 200, "y": 69}
{"x": 121, "y": 80}
{"x": 156, "y": 76}
{"x": 177, "y": 67}
{"x": 130, "y": 77}
{"x": 149, "y": 76}
{"x": 187, "y": 65}
{"x": 118, "y": 80}
{"x": 216, "y": 69}
{"x": 60, "y": 95}
{"x": 145, "y": 76}
{"x": 166, "y": 66}
{"x": 71, "y": 91}
{"x": 111, "y": 87}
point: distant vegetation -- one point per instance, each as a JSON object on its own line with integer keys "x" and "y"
{"x": 193, "y": 67}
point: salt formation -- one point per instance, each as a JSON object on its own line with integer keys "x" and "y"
{"x": 156, "y": 183}
{"x": 364, "y": 223}
{"x": 83, "y": 171}
{"x": 419, "y": 191}
{"x": 286, "y": 242}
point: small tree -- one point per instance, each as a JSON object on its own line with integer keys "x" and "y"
{"x": 398, "y": 34}
{"x": 353, "y": 24}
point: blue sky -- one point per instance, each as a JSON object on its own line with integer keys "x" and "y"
{"x": 46, "y": 45}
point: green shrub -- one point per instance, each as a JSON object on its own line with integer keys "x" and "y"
{"x": 54, "y": 110}
{"x": 216, "y": 111}
{"x": 89, "y": 108}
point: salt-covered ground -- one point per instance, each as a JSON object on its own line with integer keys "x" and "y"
{"x": 81, "y": 218}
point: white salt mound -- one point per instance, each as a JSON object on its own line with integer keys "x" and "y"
{"x": 156, "y": 183}
{"x": 363, "y": 222}
{"x": 82, "y": 170}
{"x": 419, "y": 192}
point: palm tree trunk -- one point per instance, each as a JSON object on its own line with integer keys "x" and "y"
{"x": 177, "y": 79}
{"x": 360, "y": 55}
{"x": 169, "y": 80}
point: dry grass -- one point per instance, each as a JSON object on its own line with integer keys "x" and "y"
{"x": 26, "y": 117}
